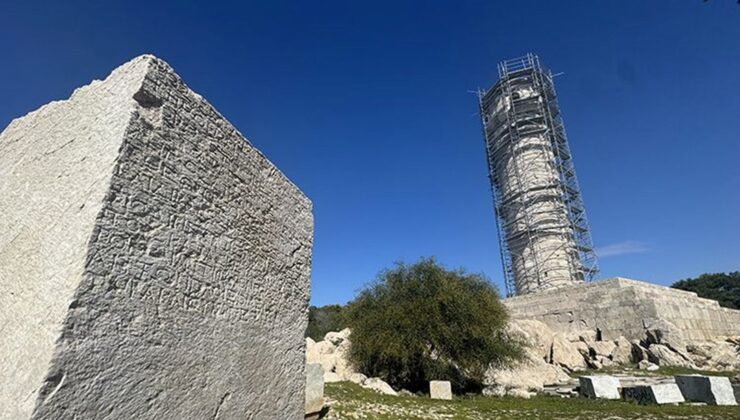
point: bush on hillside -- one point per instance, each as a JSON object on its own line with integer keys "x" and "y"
{"x": 421, "y": 322}
{"x": 324, "y": 319}
{"x": 722, "y": 287}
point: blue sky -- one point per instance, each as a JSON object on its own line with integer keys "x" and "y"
{"x": 366, "y": 107}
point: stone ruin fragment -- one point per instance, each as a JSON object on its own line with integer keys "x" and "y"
{"x": 153, "y": 263}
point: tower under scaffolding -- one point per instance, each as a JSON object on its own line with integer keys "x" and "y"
{"x": 543, "y": 232}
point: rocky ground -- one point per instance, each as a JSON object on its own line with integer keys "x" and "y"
{"x": 543, "y": 385}
{"x": 553, "y": 359}
{"x": 346, "y": 400}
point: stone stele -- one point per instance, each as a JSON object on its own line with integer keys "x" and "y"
{"x": 314, "y": 390}
{"x": 440, "y": 390}
{"x": 153, "y": 263}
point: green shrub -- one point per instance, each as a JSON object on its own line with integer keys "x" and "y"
{"x": 422, "y": 322}
{"x": 722, "y": 287}
{"x": 324, "y": 319}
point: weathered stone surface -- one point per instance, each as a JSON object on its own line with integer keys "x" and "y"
{"x": 639, "y": 352}
{"x": 566, "y": 354}
{"x": 622, "y": 353}
{"x": 337, "y": 337}
{"x": 601, "y": 348}
{"x": 520, "y": 393}
{"x": 621, "y": 307}
{"x": 333, "y": 355}
{"x": 716, "y": 355}
{"x": 537, "y": 335}
{"x": 715, "y": 390}
{"x": 534, "y": 371}
{"x": 599, "y": 386}
{"x": 530, "y": 375}
{"x": 357, "y": 378}
{"x": 664, "y": 356}
{"x": 314, "y": 388}
{"x": 377, "y": 384}
{"x": 331, "y": 377}
{"x": 440, "y": 390}
{"x": 494, "y": 391}
{"x": 646, "y": 365}
{"x": 654, "y": 394}
{"x": 154, "y": 264}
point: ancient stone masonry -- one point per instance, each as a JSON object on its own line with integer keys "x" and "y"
{"x": 153, "y": 263}
{"x": 621, "y": 307}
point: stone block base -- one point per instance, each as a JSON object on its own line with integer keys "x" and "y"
{"x": 621, "y": 307}
{"x": 440, "y": 390}
{"x": 599, "y": 386}
{"x": 712, "y": 390}
{"x": 654, "y": 394}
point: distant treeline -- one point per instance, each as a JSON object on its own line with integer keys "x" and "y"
{"x": 722, "y": 287}
{"x": 324, "y": 319}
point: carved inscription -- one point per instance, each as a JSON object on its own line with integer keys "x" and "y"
{"x": 197, "y": 220}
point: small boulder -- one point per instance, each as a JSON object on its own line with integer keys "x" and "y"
{"x": 330, "y": 377}
{"x": 537, "y": 334}
{"x": 638, "y": 351}
{"x": 646, "y": 365}
{"x": 531, "y": 374}
{"x": 494, "y": 391}
{"x": 719, "y": 355}
{"x": 357, "y": 378}
{"x": 601, "y": 348}
{"x": 667, "y": 334}
{"x": 664, "y": 356}
{"x": 519, "y": 393}
{"x": 622, "y": 353}
{"x": 337, "y": 337}
{"x": 378, "y": 385}
{"x": 566, "y": 354}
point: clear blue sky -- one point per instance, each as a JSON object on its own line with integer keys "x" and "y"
{"x": 366, "y": 107}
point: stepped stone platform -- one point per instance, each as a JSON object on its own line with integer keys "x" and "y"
{"x": 622, "y": 307}
{"x": 153, "y": 263}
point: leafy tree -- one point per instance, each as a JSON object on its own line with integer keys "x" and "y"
{"x": 421, "y": 322}
{"x": 722, "y": 287}
{"x": 323, "y": 319}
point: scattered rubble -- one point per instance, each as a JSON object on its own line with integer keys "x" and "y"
{"x": 332, "y": 353}
{"x": 552, "y": 359}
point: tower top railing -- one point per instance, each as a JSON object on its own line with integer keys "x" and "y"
{"x": 529, "y": 61}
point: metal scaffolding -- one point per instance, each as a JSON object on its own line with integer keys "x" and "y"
{"x": 543, "y": 232}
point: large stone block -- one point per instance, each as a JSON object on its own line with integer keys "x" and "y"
{"x": 440, "y": 390}
{"x": 715, "y": 390}
{"x": 153, "y": 263}
{"x": 314, "y": 390}
{"x": 654, "y": 394}
{"x": 599, "y": 386}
